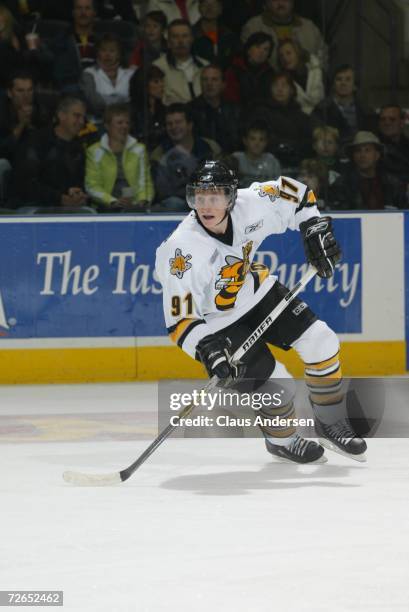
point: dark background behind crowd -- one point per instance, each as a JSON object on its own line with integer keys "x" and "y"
{"x": 109, "y": 105}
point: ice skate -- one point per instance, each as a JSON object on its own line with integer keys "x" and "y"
{"x": 340, "y": 438}
{"x": 298, "y": 450}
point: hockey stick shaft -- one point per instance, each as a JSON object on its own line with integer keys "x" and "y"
{"x": 77, "y": 478}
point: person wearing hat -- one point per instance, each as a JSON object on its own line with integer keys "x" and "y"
{"x": 365, "y": 184}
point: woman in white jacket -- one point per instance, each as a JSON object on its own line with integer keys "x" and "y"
{"x": 305, "y": 70}
{"x": 107, "y": 82}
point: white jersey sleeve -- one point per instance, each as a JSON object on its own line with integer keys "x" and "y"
{"x": 287, "y": 203}
{"x": 183, "y": 279}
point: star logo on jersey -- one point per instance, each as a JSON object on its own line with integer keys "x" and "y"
{"x": 179, "y": 264}
{"x": 231, "y": 278}
{"x": 270, "y": 191}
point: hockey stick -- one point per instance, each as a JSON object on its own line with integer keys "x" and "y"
{"x": 78, "y": 478}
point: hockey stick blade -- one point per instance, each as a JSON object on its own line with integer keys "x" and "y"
{"x": 101, "y": 480}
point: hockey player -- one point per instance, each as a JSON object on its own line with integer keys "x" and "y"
{"x": 214, "y": 296}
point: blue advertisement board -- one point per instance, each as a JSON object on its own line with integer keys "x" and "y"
{"x": 61, "y": 278}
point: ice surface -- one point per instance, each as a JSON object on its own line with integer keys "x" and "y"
{"x": 204, "y": 525}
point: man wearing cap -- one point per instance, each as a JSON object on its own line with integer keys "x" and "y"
{"x": 364, "y": 184}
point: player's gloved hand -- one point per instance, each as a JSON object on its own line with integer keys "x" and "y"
{"x": 215, "y": 352}
{"x": 321, "y": 249}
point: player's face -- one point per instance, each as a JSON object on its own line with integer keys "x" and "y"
{"x": 210, "y": 206}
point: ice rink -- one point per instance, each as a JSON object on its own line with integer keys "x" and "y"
{"x": 204, "y": 525}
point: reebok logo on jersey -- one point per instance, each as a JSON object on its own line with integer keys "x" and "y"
{"x": 179, "y": 264}
{"x": 254, "y": 226}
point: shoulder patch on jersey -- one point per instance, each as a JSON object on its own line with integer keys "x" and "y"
{"x": 270, "y": 191}
{"x": 179, "y": 264}
{"x": 254, "y": 226}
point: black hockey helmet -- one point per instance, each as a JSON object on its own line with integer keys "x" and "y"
{"x": 212, "y": 174}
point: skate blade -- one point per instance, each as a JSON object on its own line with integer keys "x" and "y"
{"x": 330, "y": 446}
{"x": 321, "y": 459}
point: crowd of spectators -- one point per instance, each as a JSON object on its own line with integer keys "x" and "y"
{"x": 109, "y": 106}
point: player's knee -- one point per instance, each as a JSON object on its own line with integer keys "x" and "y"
{"x": 318, "y": 343}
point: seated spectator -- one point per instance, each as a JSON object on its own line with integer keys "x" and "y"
{"x": 117, "y": 169}
{"x": 289, "y": 128}
{"x": 280, "y": 21}
{"x": 249, "y": 76}
{"x": 177, "y": 157}
{"x": 19, "y": 52}
{"x": 153, "y": 41}
{"x": 364, "y": 184}
{"x": 325, "y": 142}
{"x": 20, "y": 114}
{"x": 396, "y": 145}
{"x": 181, "y": 68}
{"x": 213, "y": 117}
{"x": 148, "y": 110}
{"x": 306, "y": 72}
{"x": 342, "y": 108}
{"x": 107, "y": 82}
{"x": 176, "y": 9}
{"x": 50, "y": 169}
{"x": 314, "y": 174}
{"x": 213, "y": 41}
{"x": 255, "y": 164}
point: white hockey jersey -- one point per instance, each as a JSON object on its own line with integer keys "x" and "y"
{"x": 208, "y": 285}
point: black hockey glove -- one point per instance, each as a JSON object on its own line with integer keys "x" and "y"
{"x": 321, "y": 249}
{"x": 214, "y": 353}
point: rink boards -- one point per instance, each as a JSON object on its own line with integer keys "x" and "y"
{"x": 80, "y": 301}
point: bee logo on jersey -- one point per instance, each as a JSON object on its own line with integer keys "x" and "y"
{"x": 231, "y": 278}
{"x": 179, "y": 264}
{"x": 270, "y": 191}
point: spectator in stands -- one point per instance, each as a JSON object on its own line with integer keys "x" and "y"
{"x": 117, "y": 168}
{"x": 249, "y": 76}
{"x": 153, "y": 41}
{"x": 176, "y": 9}
{"x": 148, "y": 110}
{"x": 280, "y": 21}
{"x": 20, "y": 114}
{"x": 84, "y": 13}
{"x": 325, "y": 142}
{"x": 306, "y": 72}
{"x": 177, "y": 157}
{"x": 314, "y": 174}
{"x": 50, "y": 170}
{"x": 289, "y": 128}
{"x": 18, "y": 52}
{"x": 342, "y": 108}
{"x": 364, "y": 184}
{"x": 212, "y": 40}
{"x": 255, "y": 164}
{"x": 181, "y": 68}
{"x": 107, "y": 82}
{"x": 396, "y": 144}
{"x": 213, "y": 117}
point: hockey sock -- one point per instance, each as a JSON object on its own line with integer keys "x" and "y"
{"x": 324, "y": 382}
